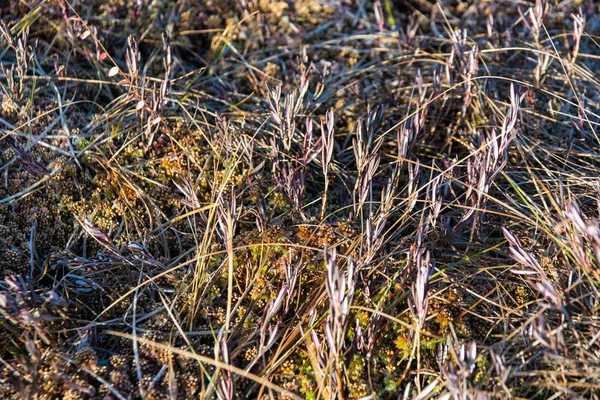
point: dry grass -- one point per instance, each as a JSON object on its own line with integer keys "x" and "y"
{"x": 302, "y": 199}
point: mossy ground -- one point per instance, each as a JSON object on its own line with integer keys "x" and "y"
{"x": 299, "y": 199}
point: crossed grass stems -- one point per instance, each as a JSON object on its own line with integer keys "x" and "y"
{"x": 385, "y": 199}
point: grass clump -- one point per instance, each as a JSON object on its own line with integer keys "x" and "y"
{"x": 300, "y": 199}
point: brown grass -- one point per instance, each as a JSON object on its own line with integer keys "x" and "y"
{"x": 302, "y": 199}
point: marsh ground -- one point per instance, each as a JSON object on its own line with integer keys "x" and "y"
{"x": 299, "y": 199}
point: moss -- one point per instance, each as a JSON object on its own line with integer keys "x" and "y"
{"x": 157, "y": 193}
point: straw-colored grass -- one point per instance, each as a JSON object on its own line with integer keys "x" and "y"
{"x": 299, "y": 199}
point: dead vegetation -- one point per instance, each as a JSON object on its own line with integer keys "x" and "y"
{"x": 301, "y": 199}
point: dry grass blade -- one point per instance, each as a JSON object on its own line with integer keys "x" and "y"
{"x": 210, "y": 361}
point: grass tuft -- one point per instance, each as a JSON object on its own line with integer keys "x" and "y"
{"x": 299, "y": 199}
